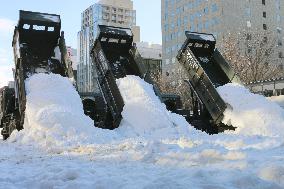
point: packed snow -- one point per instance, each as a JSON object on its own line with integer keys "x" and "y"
{"x": 252, "y": 114}
{"x": 152, "y": 148}
{"x": 278, "y": 99}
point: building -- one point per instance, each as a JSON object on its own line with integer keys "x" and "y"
{"x": 272, "y": 87}
{"x": 219, "y": 17}
{"x": 118, "y": 13}
{"x": 11, "y": 84}
{"x": 72, "y": 54}
{"x": 152, "y": 57}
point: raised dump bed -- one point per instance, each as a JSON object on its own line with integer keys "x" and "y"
{"x": 114, "y": 56}
{"x": 206, "y": 70}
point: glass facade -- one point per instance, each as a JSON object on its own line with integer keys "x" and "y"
{"x": 179, "y": 16}
{"x": 92, "y": 17}
{"x": 216, "y": 17}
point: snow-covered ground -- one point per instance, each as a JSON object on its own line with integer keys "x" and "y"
{"x": 278, "y": 99}
{"x": 152, "y": 148}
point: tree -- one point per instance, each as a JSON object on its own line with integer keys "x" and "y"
{"x": 173, "y": 83}
{"x": 252, "y": 55}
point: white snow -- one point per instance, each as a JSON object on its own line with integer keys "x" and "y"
{"x": 152, "y": 148}
{"x": 252, "y": 114}
{"x": 143, "y": 113}
{"x": 278, "y": 99}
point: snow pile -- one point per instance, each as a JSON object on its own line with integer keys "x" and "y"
{"x": 278, "y": 99}
{"x": 54, "y": 117}
{"x": 252, "y": 114}
{"x": 152, "y": 148}
{"x": 143, "y": 113}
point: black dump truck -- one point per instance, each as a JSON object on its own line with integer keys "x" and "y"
{"x": 39, "y": 47}
{"x": 114, "y": 56}
{"x": 206, "y": 70}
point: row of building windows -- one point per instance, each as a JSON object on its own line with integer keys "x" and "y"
{"x": 264, "y": 14}
{"x": 202, "y": 25}
{"x": 173, "y": 49}
{"x": 190, "y": 5}
{"x": 196, "y": 15}
{"x": 115, "y": 10}
{"x": 194, "y": 28}
{"x": 118, "y": 19}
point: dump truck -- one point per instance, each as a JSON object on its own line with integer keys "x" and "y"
{"x": 114, "y": 56}
{"x": 206, "y": 69}
{"x": 39, "y": 47}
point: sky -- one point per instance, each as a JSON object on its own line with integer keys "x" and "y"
{"x": 148, "y": 13}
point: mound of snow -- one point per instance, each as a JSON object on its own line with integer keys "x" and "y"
{"x": 143, "y": 113}
{"x": 54, "y": 116}
{"x": 252, "y": 114}
{"x": 55, "y": 120}
{"x": 151, "y": 149}
{"x": 278, "y": 99}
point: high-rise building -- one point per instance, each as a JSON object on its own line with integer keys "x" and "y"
{"x": 219, "y": 17}
{"x": 118, "y": 13}
{"x": 72, "y": 55}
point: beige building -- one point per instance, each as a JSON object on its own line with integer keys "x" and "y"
{"x": 148, "y": 50}
{"x": 220, "y": 17}
{"x": 119, "y": 13}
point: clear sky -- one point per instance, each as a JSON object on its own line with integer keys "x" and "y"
{"x": 148, "y": 18}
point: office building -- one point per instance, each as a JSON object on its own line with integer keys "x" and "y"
{"x": 220, "y": 17}
{"x": 118, "y": 13}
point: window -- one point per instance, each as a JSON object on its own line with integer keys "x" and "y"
{"x": 206, "y": 10}
{"x": 50, "y": 29}
{"x": 36, "y": 27}
{"x": 113, "y": 18}
{"x": 206, "y": 25}
{"x": 248, "y": 24}
{"x": 265, "y": 39}
{"x": 248, "y": 12}
{"x": 26, "y": 26}
{"x": 199, "y": 27}
{"x": 248, "y": 36}
{"x": 214, "y": 7}
{"x": 263, "y": 2}
{"x": 278, "y": 18}
{"x": 185, "y": 20}
{"x": 264, "y": 14}
{"x": 249, "y": 50}
{"x": 264, "y": 26}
